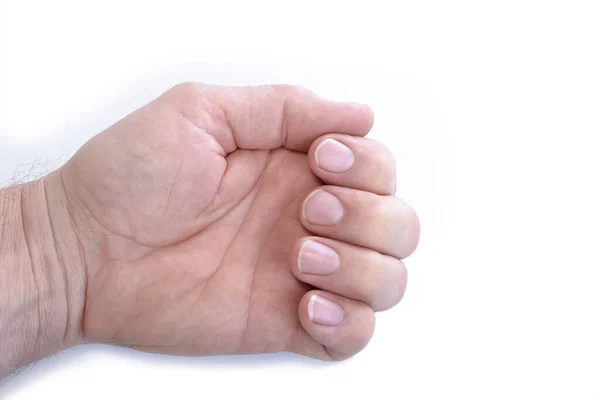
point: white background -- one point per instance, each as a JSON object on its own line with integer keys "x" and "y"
{"x": 493, "y": 111}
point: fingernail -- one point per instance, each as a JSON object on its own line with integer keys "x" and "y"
{"x": 317, "y": 259}
{"x": 322, "y": 208}
{"x": 324, "y": 311}
{"x": 334, "y": 156}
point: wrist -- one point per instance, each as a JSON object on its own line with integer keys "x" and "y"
{"x": 42, "y": 274}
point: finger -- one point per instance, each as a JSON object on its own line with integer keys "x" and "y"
{"x": 350, "y": 271}
{"x": 383, "y": 223}
{"x": 353, "y": 162}
{"x": 339, "y": 327}
{"x": 268, "y": 117}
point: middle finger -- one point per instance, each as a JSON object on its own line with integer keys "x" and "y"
{"x": 382, "y": 223}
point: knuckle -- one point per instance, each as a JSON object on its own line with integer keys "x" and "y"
{"x": 186, "y": 89}
{"x": 184, "y": 97}
{"x": 192, "y": 99}
{"x": 291, "y": 90}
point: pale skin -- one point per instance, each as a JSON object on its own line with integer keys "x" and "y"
{"x": 214, "y": 220}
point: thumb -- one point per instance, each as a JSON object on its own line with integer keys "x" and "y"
{"x": 268, "y": 117}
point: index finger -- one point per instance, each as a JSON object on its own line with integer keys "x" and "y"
{"x": 271, "y": 116}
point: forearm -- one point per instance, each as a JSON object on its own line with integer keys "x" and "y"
{"x": 42, "y": 279}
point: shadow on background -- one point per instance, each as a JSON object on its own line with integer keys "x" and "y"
{"x": 81, "y": 354}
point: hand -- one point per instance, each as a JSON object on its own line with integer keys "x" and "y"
{"x": 220, "y": 220}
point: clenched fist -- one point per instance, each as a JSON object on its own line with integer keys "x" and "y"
{"x": 227, "y": 220}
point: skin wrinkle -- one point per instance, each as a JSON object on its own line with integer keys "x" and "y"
{"x": 109, "y": 189}
{"x": 231, "y": 132}
{"x": 91, "y": 214}
{"x": 246, "y": 322}
{"x": 82, "y": 253}
{"x": 219, "y": 192}
{"x": 166, "y": 209}
{"x": 38, "y": 333}
{"x": 60, "y": 260}
{"x": 195, "y": 288}
{"x": 212, "y": 115}
{"x": 108, "y": 231}
{"x": 228, "y": 124}
{"x": 283, "y": 128}
{"x": 142, "y": 160}
{"x": 153, "y": 249}
{"x": 202, "y": 128}
{"x": 190, "y": 193}
{"x": 82, "y": 257}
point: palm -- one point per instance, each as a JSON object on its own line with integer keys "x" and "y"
{"x": 188, "y": 245}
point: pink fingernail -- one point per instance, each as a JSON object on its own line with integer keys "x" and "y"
{"x": 324, "y": 311}
{"x": 322, "y": 208}
{"x": 334, "y": 156}
{"x": 317, "y": 259}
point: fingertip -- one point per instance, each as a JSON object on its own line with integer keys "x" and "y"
{"x": 368, "y": 113}
{"x": 353, "y": 162}
{"x": 307, "y": 115}
{"x": 343, "y": 326}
